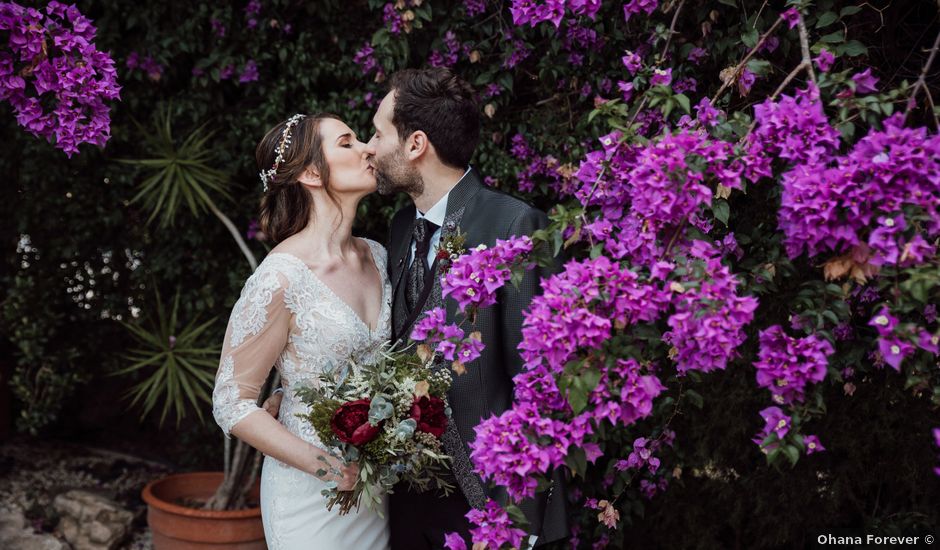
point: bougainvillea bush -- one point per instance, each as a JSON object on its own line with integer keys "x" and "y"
{"x": 741, "y": 344}
{"x": 50, "y": 58}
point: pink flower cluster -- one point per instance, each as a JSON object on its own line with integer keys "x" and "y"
{"x": 393, "y": 19}
{"x": 537, "y": 167}
{"x": 533, "y": 12}
{"x": 776, "y": 423}
{"x": 648, "y": 191}
{"x": 365, "y": 58}
{"x": 642, "y": 455}
{"x": 793, "y": 128}
{"x": 474, "y": 7}
{"x": 936, "y": 441}
{"x": 147, "y": 64}
{"x": 450, "y": 54}
{"x": 70, "y": 78}
{"x": 514, "y": 447}
{"x": 493, "y": 530}
{"x": 473, "y": 278}
{"x": 786, "y": 365}
{"x": 625, "y": 394}
{"x": 895, "y": 339}
{"x": 709, "y": 320}
{"x": 860, "y": 197}
{"x": 578, "y": 308}
{"x": 635, "y": 7}
{"x": 448, "y": 340}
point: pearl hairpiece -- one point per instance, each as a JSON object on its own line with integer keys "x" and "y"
{"x": 268, "y": 175}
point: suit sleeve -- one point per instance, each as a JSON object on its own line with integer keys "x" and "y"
{"x": 516, "y": 300}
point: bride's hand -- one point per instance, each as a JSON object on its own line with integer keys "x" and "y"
{"x": 273, "y": 404}
{"x": 345, "y": 475}
{"x": 350, "y": 475}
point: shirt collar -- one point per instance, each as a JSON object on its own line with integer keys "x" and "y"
{"x": 436, "y": 213}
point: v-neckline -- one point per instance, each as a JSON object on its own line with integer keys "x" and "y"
{"x": 338, "y": 298}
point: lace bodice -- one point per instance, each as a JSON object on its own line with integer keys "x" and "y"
{"x": 287, "y": 318}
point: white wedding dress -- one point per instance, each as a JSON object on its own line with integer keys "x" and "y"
{"x": 289, "y": 319}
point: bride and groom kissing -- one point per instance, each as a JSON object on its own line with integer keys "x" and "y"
{"x": 322, "y": 296}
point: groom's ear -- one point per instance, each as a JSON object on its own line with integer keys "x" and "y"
{"x": 417, "y": 145}
{"x": 310, "y": 178}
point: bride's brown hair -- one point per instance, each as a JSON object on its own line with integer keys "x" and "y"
{"x": 286, "y": 205}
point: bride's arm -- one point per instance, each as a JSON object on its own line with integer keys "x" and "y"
{"x": 269, "y": 436}
{"x": 257, "y": 333}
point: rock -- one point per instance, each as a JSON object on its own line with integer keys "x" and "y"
{"x": 11, "y": 519}
{"x": 33, "y": 541}
{"x": 15, "y": 535}
{"x": 91, "y": 522}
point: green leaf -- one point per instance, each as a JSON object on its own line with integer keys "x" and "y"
{"x": 695, "y": 398}
{"x": 792, "y": 454}
{"x": 833, "y": 38}
{"x": 750, "y": 38}
{"x": 847, "y": 130}
{"x": 826, "y": 19}
{"x": 581, "y": 387}
{"x": 516, "y": 515}
{"x": 760, "y": 67}
{"x": 577, "y": 397}
{"x": 721, "y": 211}
{"x": 380, "y": 38}
{"x": 577, "y": 461}
{"x": 683, "y": 102}
{"x": 852, "y": 48}
{"x": 849, "y": 10}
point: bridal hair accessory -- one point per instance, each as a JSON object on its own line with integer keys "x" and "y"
{"x": 268, "y": 175}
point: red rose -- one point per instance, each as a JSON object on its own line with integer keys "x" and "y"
{"x": 428, "y": 412}
{"x": 351, "y": 425}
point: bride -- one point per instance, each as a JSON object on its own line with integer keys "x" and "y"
{"x": 319, "y": 297}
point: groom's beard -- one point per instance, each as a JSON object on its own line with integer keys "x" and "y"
{"x": 393, "y": 173}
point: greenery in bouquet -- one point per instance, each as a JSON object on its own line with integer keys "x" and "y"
{"x": 389, "y": 416}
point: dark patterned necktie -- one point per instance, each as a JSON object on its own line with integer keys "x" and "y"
{"x": 418, "y": 271}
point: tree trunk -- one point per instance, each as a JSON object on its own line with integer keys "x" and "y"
{"x": 241, "y": 461}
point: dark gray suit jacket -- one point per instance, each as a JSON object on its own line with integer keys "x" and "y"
{"x": 483, "y": 215}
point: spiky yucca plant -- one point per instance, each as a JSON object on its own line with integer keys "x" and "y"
{"x": 178, "y": 174}
{"x": 179, "y": 370}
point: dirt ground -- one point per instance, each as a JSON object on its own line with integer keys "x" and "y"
{"x": 33, "y": 472}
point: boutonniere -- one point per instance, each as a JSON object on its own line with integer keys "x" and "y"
{"x": 450, "y": 248}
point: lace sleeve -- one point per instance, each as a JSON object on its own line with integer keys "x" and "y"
{"x": 257, "y": 334}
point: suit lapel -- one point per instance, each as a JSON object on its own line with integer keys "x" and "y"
{"x": 461, "y": 466}
{"x": 401, "y": 250}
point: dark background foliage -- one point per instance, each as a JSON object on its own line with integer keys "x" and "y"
{"x": 78, "y": 255}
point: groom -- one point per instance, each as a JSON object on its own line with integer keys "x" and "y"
{"x": 426, "y": 130}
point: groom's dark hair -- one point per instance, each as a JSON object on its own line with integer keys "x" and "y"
{"x": 440, "y": 104}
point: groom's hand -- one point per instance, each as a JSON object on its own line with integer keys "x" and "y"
{"x": 273, "y": 404}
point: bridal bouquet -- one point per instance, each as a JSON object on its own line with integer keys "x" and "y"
{"x": 389, "y": 417}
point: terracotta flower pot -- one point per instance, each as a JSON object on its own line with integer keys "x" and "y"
{"x": 177, "y": 527}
